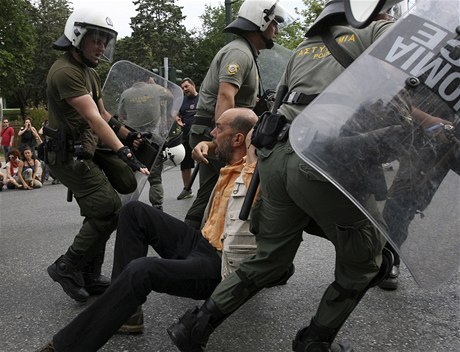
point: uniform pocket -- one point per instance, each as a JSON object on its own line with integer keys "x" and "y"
{"x": 359, "y": 242}
{"x": 310, "y": 173}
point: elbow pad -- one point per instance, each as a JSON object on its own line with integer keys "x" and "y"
{"x": 115, "y": 124}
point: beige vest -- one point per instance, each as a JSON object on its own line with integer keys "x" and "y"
{"x": 238, "y": 242}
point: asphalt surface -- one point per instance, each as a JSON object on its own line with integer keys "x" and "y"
{"x": 37, "y": 226}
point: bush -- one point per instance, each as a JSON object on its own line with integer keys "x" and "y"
{"x": 38, "y": 116}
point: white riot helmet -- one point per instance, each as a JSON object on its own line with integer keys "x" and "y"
{"x": 173, "y": 156}
{"x": 256, "y": 15}
{"x": 336, "y": 8}
{"x": 361, "y": 13}
{"x": 82, "y": 22}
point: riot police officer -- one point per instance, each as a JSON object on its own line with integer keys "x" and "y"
{"x": 232, "y": 81}
{"x": 295, "y": 196}
{"x": 78, "y": 125}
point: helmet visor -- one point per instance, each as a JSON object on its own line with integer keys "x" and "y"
{"x": 395, "y": 12}
{"x": 283, "y": 17}
{"x": 103, "y": 37}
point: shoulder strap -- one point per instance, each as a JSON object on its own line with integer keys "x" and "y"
{"x": 336, "y": 50}
{"x": 261, "y": 88}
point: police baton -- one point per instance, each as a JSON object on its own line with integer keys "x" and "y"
{"x": 250, "y": 195}
{"x": 192, "y": 179}
{"x": 255, "y": 180}
{"x": 69, "y": 195}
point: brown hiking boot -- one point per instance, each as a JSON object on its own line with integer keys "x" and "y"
{"x": 49, "y": 347}
{"x": 135, "y": 324}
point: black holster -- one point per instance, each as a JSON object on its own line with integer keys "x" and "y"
{"x": 58, "y": 142}
{"x": 270, "y": 129}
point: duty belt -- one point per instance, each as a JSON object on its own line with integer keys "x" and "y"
{"x": 204, "y": 121}
{"x": 298, "y": 98}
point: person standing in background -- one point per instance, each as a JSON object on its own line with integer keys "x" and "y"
{"x": 6, "y": 137}
{"x": 144, "y": 107}
{"x": 185, "y": 119}
{"x": 29, "y": 136}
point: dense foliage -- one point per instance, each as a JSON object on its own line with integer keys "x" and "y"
{"x": 29, "y": 27}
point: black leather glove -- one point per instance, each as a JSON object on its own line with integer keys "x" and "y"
{"x": 125, "y": 154}
{"x": 133, "y": 135}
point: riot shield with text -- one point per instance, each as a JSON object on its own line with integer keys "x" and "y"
{"x": 144, "y": 102}
{"x": 387, "y": 129}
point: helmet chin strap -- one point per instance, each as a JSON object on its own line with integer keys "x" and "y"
{"x": 269, "y": 43}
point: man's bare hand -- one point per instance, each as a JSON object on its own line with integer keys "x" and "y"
{"x": 144, "y": 170}
{"x": 202, "y": 150}
{"x": 179, "y": 121}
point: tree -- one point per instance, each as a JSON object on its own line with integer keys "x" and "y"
{"x": 208, "y": 41}
{"x": 17, "y": 44}
{"x": 47, "y": 33}
{"x": 293, "y": 35}
{"x": 311, "y": 12}
{"x": 158, "y": 32}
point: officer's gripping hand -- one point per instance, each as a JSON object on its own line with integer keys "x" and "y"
{"x": 125, "y": 154}
{"x": 135, "y": 139}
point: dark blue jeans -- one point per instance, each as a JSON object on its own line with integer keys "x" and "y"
{"x": 188, "y": 267}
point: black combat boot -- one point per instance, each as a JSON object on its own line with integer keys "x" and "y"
{"x": 95, "y": 283}
{"x": 391, "y": 281}
{"x": 66, "y": 272}
{"x": 192, "y": 331}
{"x": 315, "y": 338}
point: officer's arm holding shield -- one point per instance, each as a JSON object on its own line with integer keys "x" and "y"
{"x": 97, "y": 120}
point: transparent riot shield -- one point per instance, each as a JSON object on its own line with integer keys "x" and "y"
{"x": 272, "y": 63}
{"x": 387, "y": 130}
{"x": 144, "y": 102}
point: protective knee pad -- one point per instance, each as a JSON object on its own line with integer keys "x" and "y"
{"x": 245, "y": 284}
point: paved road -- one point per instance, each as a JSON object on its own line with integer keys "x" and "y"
{"x": 37, "y": 226}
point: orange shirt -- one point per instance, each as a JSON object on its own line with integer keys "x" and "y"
{"x": 214, "y": 226}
